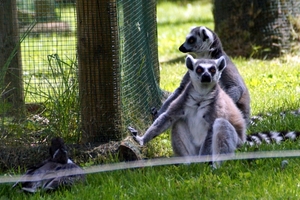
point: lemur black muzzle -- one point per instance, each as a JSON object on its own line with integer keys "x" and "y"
{"x": 183, "y": 49}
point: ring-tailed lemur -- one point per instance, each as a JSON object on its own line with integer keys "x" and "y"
{"x": 42, "y": 176}
{"x": 204, "y": 119}
{"x": 205, "y": 43}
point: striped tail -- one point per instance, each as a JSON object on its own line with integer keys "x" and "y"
{"x": 271, "y": 137}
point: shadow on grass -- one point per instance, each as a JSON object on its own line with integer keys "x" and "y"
{"x": 180, "y": 59}
{"x": 197, "y": 21}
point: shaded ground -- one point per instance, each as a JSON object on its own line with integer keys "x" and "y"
{"x": 22, "y": 157}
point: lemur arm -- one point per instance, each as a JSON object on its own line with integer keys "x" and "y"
{"x": 166, "y": 119}
{"x": 206, "y": 147}
{"x": 185, "y": 80}
{"x": 160, "y": 125}
{"x": 231, "y": 81}
{"x": 235, "y": 93}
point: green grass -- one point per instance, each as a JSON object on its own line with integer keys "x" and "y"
{"x": 35, "y": 69}
{"x": 274, "y": 86}
{"x": 257, "y": 179}
{"x": 174, "y": 22}
{"x": 50, "y": 79}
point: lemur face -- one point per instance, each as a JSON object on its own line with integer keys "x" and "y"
{"x": 199, "y": 40}
{"x": 205, "y": 70}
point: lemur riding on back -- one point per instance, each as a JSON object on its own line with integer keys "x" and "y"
{"x": 204, "y": 43}
{"x": 203, "y": 118}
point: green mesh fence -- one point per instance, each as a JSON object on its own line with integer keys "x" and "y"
{"x": 52, "y": 30}
{"x": 49, "y": 66}
{"x": 139, "y": 61}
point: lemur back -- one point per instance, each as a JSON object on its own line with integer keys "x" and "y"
{"x": 204, "y": 120}
{"x": 204, "y": 43}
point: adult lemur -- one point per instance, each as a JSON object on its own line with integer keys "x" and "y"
{"x": 204, "y": 119}
{"x": 204, "y": 43}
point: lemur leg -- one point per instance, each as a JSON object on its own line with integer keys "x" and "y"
{"x": 181, "y": 141}
{"x": 244, "y": 105}
{"x": 224, "y": 139}
{"x": 172, "y": 97}
{"x": 241, "y": 98}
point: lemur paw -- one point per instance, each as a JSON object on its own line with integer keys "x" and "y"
{"x": 135, "y": 136}
{"x": 132, "y": 131}
{"x": 154, "y": 113}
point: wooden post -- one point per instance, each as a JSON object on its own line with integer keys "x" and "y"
{"x": 99, "y": 75}
{"x": 11, "y": 85}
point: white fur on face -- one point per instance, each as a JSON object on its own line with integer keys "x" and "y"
{"x": 56, "y": 152}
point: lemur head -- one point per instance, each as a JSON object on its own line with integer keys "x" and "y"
{"x": 205, "y": 71}
{"x": 198, "y": 41}
{"x": 58, "y": 151}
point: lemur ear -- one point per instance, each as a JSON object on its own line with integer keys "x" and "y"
{"x": 192, "y": 28}
{"x": 205, "y": 34}
{"x": 221, "y": 63}
{"x": 189, "y": 62}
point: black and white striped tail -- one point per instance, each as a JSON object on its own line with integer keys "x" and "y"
{"x": 271, "y": 137}
{"x": 256, "y": 118}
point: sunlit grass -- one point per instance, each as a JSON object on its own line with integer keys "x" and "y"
{"x": 34, "y": 60}
{"x": 256, "y": 179}
{"x": 174, "y": 21}
{"x": 273, "y": 84}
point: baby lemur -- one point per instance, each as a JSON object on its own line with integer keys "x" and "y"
{"x": 204, "y": 43}
{"x": 203, "y": 118}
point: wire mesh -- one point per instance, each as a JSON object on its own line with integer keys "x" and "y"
{"x": 139, "y": 61}
{"x": 50, "y": 69}
{"x": 52, "y": 28}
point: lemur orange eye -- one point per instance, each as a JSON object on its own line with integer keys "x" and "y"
{"x": 212, "y": 70}
{"x": 199, "y": 70}
{"x": 191, "y": 40}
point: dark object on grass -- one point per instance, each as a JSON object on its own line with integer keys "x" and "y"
{"x": 56, "y": 171}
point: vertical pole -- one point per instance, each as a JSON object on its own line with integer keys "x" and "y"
{"x": 98, "y": 58}
{"x": 11, "y": 85}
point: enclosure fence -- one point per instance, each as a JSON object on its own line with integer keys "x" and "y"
{"x": 69, "y": 96}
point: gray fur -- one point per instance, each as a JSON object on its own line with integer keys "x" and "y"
{"x": 203, "y": 118}
{"x": 39, "y": 176}
{"x": 204, "y": 43}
